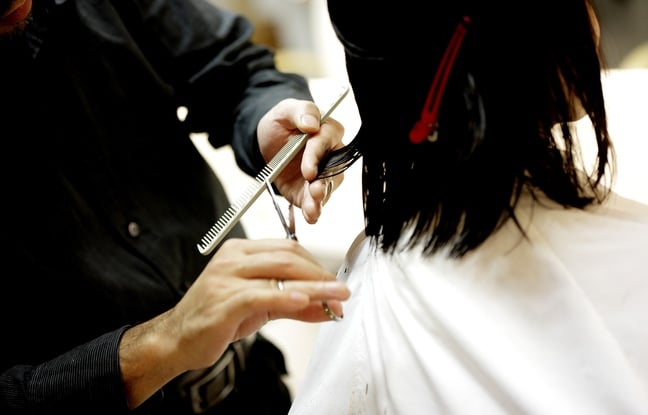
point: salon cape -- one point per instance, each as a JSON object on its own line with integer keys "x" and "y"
{"x": 556, "y": 324}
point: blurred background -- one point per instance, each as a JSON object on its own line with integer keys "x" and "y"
{"x": 300, "y": 33}
{"x": 624, "y": 27}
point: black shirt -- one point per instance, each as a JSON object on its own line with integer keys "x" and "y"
{"x": 104, "y": 196}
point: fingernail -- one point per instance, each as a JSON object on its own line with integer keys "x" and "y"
{"x": 310, "y": 121}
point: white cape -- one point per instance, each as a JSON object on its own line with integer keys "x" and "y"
{"x": 556, "y": 324}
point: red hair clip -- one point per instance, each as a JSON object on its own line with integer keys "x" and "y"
{"x": 426, "y": 126}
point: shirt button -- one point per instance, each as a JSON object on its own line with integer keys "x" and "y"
{"x": 134, "y": 229}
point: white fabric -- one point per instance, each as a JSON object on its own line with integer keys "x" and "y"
{"x": 557, "y": 324}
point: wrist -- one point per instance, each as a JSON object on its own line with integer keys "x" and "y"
{"x": 146, "y": 360}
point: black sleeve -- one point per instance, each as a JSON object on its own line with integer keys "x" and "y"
{"x": 226, "y": 82}
{"x": 86, "y": 379}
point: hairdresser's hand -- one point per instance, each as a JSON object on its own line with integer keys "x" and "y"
{"x": 297, "y": 182}
{"x": 235, "y": 296}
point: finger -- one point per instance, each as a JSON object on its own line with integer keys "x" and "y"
{"x": 290, "y": 116}
{"x": 323, "y": 189}
{"x": 326, "y": 188}
{"x": 240, "y": 246}
{"x": 317, "y": 194}
{"x": 282, "y": 265}
{"x": 288, "y": 295}
{"x": 310, "y": 207}
{"x": 303, "y": 115}
{"x": 316, "y": 290}
{"x": 313, "y": 313}
{"x": 319, "y": 145}
{"x": 308, "y": 121}
{"x": 264, "y": 298}
{"x": 328, "y": 296}
{"x": 263, "y": 301}
{"x": 328, "y": 310}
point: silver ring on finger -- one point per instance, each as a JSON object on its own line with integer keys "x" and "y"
{"x": 330, "y": 312}
{"x": 328, "y": 191}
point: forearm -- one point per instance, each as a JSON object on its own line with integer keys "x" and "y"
{"x": 146, "y": 360}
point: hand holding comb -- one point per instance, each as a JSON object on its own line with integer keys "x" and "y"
{"x": 268, "y": 174}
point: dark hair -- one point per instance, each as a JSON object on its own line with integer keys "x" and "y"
{"x": 504, "y": 122}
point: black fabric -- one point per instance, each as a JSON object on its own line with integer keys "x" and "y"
{"x": 104, "y": 194}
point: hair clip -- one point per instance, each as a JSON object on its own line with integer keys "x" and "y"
{"x": 427, "y": 125}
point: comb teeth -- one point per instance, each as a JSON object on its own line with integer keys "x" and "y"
{"x": 232, "y": 215}
{"x": 270, "y": 171}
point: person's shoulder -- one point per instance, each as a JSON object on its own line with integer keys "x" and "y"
{"x": 620, "y": 206}
{"x": 597, "y": 229}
